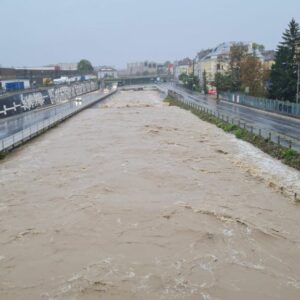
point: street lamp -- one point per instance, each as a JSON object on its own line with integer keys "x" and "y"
{"x": 298, "y": 76}
{"x": 298, "y": 60}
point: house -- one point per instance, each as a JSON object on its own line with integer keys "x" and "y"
{"x": 269, "y": 59}
{"x": 184, "y": 66}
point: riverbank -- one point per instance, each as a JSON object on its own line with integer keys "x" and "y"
{"x": 288, "y": 156}
{"x": 139, "y": 199}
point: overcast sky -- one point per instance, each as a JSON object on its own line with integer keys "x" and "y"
{"x": 114, "y": 32}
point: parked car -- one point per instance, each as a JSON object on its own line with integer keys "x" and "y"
{"x": 212, "y": 92}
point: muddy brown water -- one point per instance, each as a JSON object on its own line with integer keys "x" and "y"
{"x": 133, "y": 199}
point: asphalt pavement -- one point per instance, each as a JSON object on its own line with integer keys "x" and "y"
{"x": 287, "y": 127}
{"x": 14, "y": 124}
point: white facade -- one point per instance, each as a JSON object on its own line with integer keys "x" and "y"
{"x": 107, "y": 72}
{"x": 142, "y": 68}
{"x": 67, "y": 66}
{"x": 181, "y": 69}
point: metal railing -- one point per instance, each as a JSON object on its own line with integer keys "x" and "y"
{"x": 276, "y": 106}
{"x": 14, "y": 140}
{"x": 280, "y": 139}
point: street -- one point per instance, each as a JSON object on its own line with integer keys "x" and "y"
{"x": 14, "y": 124}
{"x": 267, "y": 122}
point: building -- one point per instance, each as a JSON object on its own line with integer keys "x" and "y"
{"x": 197, "y": 67}
{"x": 269, "y": 59}
{"x": 215, "y": 60}
{"x": 218, "y": 59}
{"x": 142, "y": 68}
{"x": 35, "y": 75}
{"x": 170, "y": 69}
{"x": 67, "y": 66}
{"x": 184, "y": 66}
{"x": 106, "y": 72}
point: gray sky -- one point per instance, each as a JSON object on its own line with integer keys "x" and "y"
{"x": 114, "y": 32}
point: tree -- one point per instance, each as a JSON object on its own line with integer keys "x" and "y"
{"x": 85, "y": 66}
{"x": 183, "y": 77}
{"x": 284, "y": 72}
{"x": 252, "y": 75}
{"x": 259, "y": 47}
{"x": 223, "y": 83}
{"x": 189, "y": 81}
{"x": 204, "y": 82}
{"x": 238, "y": 52}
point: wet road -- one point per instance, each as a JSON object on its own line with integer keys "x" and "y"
{"x": 267, "y": 122}
{"x": 14, "y": 124}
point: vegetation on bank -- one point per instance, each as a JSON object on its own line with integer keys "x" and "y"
{"x": 288, "y": 156}
{"x": 2, "y": 155}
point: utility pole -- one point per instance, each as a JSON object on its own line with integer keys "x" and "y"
{"x": 193, "y": 66}
{"x": 298, "y": 76}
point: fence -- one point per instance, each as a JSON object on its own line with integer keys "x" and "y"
{"x": 26, "y": 134}
{"x": 277, "y": 106}
{"x": 280, "y": 139}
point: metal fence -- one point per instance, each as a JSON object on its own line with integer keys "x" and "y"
{"x": 275, "y": 137}
{"x": 277, "y": 106}
{"x": 28, "y": 133}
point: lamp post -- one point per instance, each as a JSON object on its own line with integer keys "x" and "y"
{"x": 298, "y": 76}
{"x": 298, "y": 71}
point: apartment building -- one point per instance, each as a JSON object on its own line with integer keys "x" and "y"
{"x": 142, "y": 68}
{"x": 217, "y": 60}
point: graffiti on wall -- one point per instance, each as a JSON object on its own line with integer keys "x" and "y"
{"x": 28, "y": 101}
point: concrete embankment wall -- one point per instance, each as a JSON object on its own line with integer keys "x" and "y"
{"x": 26, "y": 101}
{"x": 13, "y": 141}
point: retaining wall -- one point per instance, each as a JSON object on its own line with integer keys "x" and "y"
{"x": 26, "y": 101}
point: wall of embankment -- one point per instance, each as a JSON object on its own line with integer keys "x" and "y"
{"x": 30, "y": 100}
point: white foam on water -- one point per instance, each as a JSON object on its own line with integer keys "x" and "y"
{"x": 270, "y": 169}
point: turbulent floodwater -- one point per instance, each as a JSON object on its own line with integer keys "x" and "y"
{"x": 133, "y": 199}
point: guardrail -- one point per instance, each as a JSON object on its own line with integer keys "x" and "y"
{"x": 14, "y": 140}
{"x": 280, "y": 139}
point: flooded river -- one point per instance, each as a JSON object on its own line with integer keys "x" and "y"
{"x": 133, "y": 199}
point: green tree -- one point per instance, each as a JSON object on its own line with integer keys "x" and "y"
{"x": 204, "y": 85}
{"x": 85, "y": 66}
{"x": 183, "y": 77}
{"x": 259, "y": 47}
{"x": 190, "y": 81}
{"x": 284, "y": 72}
{"x": 238, "y": 52}
{"x": 223, "y": 83}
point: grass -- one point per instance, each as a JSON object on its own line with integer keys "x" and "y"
{"x": 288, "y": 156}
{"x": 2, "y": 155}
